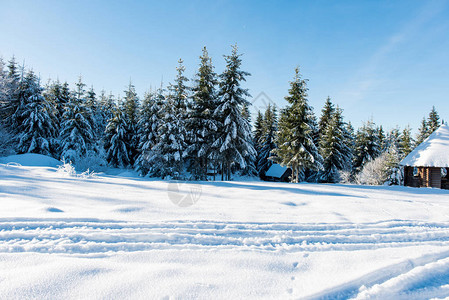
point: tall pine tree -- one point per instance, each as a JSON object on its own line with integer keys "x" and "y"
{"x": 234, "y": 140}
{"x": 37, "y": 129}
{"x": 201, "y": 124}
{"x": 334, "y": 148}
{"x": 295, "y": 138}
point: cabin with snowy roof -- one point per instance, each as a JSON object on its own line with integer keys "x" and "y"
{"x": 278, "y": 173}
{"x": 428, "y": 164}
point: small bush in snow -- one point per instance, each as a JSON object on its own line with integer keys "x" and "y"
{"x": 66, "y": 169}
{"x": 382, "y": 170}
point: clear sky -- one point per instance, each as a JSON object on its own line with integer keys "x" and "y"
{"x": 386, "y": 60}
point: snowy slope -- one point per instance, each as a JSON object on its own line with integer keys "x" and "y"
{"x": 116, "y": 237}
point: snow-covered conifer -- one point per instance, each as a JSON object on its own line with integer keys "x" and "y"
{"x": 234, "y": 141}
{"x": 37, "y": 128}
{"x": 76, "y": 135}
{"x": 433, "y": 121}
{"x": 167, "y": 156}
{"x": 406, "y": 143}
{"x": 116, "y": 139}
{"x": 366, "y": 145}
{"x": 295, "y": 141}
{"x": 201, "y": 124}
{"x": 423, "y": 132}
{"x": 131, "y": 113}
{"x": 334, "y": 148}
{"x": 326, "y": 115}
{"x": 148, "y": 124}
{"x": 267, "y": 140}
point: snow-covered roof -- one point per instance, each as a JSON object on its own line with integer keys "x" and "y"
{"x": 432, "y": 152}
{"x": 276, "y": 171}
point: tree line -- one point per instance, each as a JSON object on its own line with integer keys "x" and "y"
{"x": 193, "y": 131}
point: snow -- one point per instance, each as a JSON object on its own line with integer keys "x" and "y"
{"x": 120, "y": 237}
{"x": 432, "y": 152}
{"x": 276, "y": 170}
{"x": 31, "y": 160}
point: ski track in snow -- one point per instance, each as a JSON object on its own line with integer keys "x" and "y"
{"x": 424, "y": 277}
{"x": 95, "y": 236}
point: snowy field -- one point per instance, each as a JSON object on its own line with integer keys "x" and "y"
{"x": 119, "y": 236}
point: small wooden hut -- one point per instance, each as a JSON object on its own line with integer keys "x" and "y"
{"x": 428, "y": 164}
{"x": 278, "y": 173}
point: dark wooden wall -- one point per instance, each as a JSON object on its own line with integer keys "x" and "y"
{"x": 427, "y": 177}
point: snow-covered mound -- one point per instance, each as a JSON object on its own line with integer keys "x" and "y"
{"x": 432, "y": 152}
{"x": 31, "y": 160}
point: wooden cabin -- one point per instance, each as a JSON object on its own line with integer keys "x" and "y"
{"x": 428, "y": 164}
{"x": 278, "y": 173}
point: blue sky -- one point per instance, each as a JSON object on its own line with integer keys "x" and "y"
{"x": 385, "y": 60}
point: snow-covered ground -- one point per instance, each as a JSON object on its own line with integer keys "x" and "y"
{"x": 119, "y": 236}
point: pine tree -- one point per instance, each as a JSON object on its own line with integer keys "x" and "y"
{"x": 18, "y": 96}
{"x": 393, "y": 139}
{"x": 334, "y": 148}
{"x": 234, "y": 141}
{"x": 147, "y": 131}
{"x": 326, "y": 115}
{"x": 295, "y": 138}
{"x": 366, "y": 145}
{"x": 116, "y": 137}
{"x": 4, "y": 92}
{"x": 423, "y": 132}
{"x": 383, "y": 143}
{"x": 131, "y": 114}
{"x": 406, "y": 142}
{"x": 37, "y": 129}
{"x": 76, "y": 133}
{"x": 433, "y": 121}
{"x": 258, "y": 132}
{"x": 169, "y": 152}
{"x": 58, "y": 95}
{"x": 267, "y": 140}
{"x": 201, "y": 124}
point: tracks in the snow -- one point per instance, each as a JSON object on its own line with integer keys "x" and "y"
{"x": 96, "y": 236}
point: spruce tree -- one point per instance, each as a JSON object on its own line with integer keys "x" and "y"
{"x": 4, "y": 92}
{"x": 334, "y": 148}
{"x": 116, "y": 139}
{"x": 267, "y": 140}
{"x": 147, "y": 131}
{"x": 58, "y": 95}
{"x": 381, "y": 138}
{"x": 131, "y": 114}
{"x": 326, "y": 115}
{"x": 258, "y": 132}
{"x": 76, "y": 135}
{"x": 234, "y": 141}
{"x": 423, "y": 132}
{"x": 106, "y": 109}
{"x": 37, "y": 129}
{"x": 201, "y": 124}
{"x": 169, "y": 152}
{"x": 18, "y": 96}
{"x": 433, "y": 121}
{"x": 295, "y": 138}
{"x": 406, "y": 142}
{"x": 367, "y": 145}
